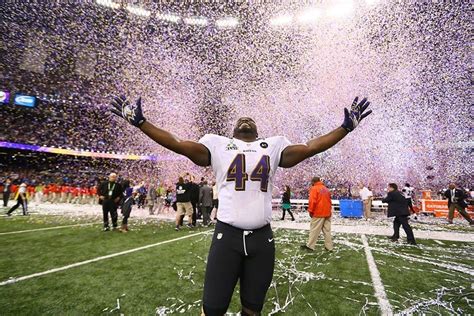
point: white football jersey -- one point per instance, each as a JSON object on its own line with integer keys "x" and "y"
{"x": 408, "y": 192}
{"x": 244, "y": 173}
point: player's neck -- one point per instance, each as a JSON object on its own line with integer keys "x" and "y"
{"x": 245, "y": 138}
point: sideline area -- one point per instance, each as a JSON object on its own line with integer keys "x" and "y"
{"x": 426, "y": 227}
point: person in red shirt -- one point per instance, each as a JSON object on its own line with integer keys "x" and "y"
{"x": 57, "y": 198}
{"x": 64, "y": 192}
{"x": 76, "y": 194}
{"x": 52, "y": 193}
{"x": 320, "y": 211}
{"x": 14, "y": 188}
{"x": 45, "y": 193}
{"x": 84, "y": 195}
{"x": 31, "y": 192}
{"x": 93, "y": 194}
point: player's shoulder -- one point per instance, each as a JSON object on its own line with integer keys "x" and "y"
{"x": 275, "y": 140}
{"x": 213, "y": 138}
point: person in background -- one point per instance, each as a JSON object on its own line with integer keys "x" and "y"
{"x": 286, "y": 203}
{"x": 169, "y": 199}
{"x": 127, "y": 189}
{"x": 320, "y": 211}
{"x": 215, "y": 201}
{"x": 142, "y": 193}
{"x": 93, "y": 193}
{"x": 366, "y": 196}
{"x": 55, "y": 190}
{"x": 183, "y": 203}
{"x": 127, "y": 209}
{"x": 205, "y": 202}
{"x": 398, "y": 208}
{"x": 64, "y": 192}
{"x": 89, "y": 195}
{"x": 31, "y": 192}
{"x": 45, "y": 193}
{"x": 471, "y": 196}
{"x": 76, "y": 194}
{"x": 84, "y": 193}
{"x": 199, "y": 212}
{"x": 22, "y": 199}
{"x": 110, "y": 194}
{"x": 456, "y": 201}
{"x": 151, "y": 199}
{"x": 408, "y": 192}
{"x": 6, "y": 192}
{"x": 39, "y": 193}
{"x": 160, "y": 197}
{"x": 194, "y": 191}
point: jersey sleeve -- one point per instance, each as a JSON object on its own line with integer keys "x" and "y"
{"x": 210, "y": 141}
{"x": 283, "y": 142}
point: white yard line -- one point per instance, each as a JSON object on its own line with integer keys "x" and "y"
{"x": 384, "y": 304}
{"x": 81, "y": 263}
{"x": 45, "y": 228}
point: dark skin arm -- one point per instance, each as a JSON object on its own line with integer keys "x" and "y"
{"x": 196, "y": 152}
{"x": 294, "y": 154}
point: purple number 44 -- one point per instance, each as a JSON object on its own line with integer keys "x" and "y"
{"x": 261, "y": 172}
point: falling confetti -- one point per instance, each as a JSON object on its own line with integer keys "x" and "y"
{"x": 292, "y": 67}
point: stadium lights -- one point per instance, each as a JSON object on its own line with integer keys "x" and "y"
{"x": 173, "y": 18}
{"x": 227, "y": 22}
{"x": 196, "y": 21}
{"x": 108, "y": 4}
{"x": 138, "y": 11}
{"x": 281, "y": 20}
{"x": 341, "y": 9}
{"x": 309, "y": 16}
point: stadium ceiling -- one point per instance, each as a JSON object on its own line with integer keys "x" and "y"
{"x": 230, "y": 15}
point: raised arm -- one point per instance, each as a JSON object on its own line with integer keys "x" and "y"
{"x": 196, "y": 152}
{"x": 294, "y": 154}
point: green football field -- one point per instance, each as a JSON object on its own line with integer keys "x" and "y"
{"x": 71, "y": 267}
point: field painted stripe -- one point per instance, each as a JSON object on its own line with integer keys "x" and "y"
{"x": 78, "y": 264}
{"x": 384, "y": 304}
{"x": 45, "y": 228}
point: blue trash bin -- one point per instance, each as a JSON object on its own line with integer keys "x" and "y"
{"x": 351, "y": 208}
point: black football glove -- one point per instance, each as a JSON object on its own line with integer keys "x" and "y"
{"x": 131, "y": 113}
{"x": 356, "y": 114}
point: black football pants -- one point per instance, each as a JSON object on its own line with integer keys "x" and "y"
{"x": 236, "y": 254}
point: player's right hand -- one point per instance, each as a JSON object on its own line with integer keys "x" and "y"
{"x": 132, "y": 113}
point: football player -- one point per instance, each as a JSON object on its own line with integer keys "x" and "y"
{"x": 242, "y": 247}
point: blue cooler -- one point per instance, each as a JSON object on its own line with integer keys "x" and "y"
{"x": 351, "y": 208}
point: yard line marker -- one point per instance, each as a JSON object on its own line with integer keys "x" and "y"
{"x": 384, "y": 304}
{"x": 45, "y": 228}
{"x": 81, "y": 263}
{"x": 438, "y": 242}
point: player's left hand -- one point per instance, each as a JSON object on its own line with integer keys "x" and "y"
{"x": 132, "y": 113}
{"x": 353, "y": 117}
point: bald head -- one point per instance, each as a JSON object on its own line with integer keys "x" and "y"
{"x": 113, "y": 177}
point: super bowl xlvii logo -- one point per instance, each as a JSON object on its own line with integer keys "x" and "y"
{"x": 231, "y": 146}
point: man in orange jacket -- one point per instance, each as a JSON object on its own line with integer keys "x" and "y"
{"x": 319, "y": 208}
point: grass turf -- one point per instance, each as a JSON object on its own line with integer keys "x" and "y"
{"x": 168, "y": 279}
